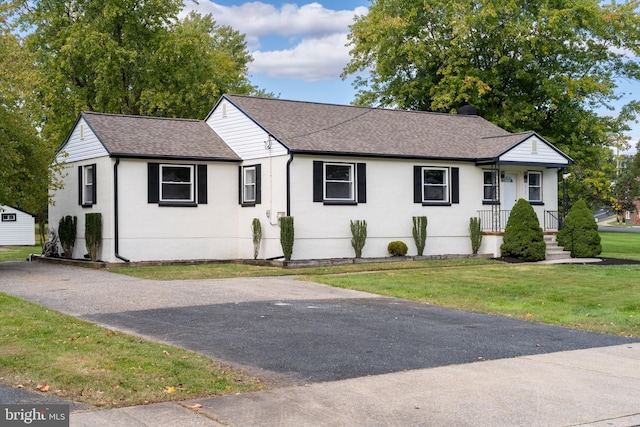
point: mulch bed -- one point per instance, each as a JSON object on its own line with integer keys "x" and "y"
{"x": 605, "y": 261}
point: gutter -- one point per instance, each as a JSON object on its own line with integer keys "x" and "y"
{"x": 116, "y": 234}
{"x": 289, "y": 183}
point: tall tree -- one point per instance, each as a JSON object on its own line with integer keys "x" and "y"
{"x": 131, "y": 57}
{"x": 543, "y": 65}
{"x": 25, "y": 158}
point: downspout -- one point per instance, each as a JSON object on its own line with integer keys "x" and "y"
{"x": 289, "y": 183}
{"x": 116, "y": 234}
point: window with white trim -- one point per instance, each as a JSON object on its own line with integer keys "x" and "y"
{"x": 534, "y": 184}
{"x": 435, "y": 184}
{"x": 177, "y": 183}
{"x": 250, "y": 185}
{"x": 339, "y": 182}
{"x": 87, "y": 195}
{"x": 490, "y": 188}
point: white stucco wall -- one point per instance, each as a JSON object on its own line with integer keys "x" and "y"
{"x": 65, "y": 202}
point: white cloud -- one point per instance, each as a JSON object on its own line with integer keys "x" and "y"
{"x": 311, "y": 60}
{"x": 310, "y": 38}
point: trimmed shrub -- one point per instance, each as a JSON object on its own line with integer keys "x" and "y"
{"x": 358, "y": 236}
{"x": 397, "y": 248}
{"x": 67, "y": 230}
{"x": 420, "y": 233}
{"x": 586, "y": 239}
{"x": 475, "y": 229}
{"x": 256, "y": 231}
{"x": 286, "y": 236}
{"x": 523, "y": 236}
{"x": 93, "y": 233}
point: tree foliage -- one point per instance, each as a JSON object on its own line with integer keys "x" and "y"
{"x": 542, "y": 65}
{"x": 625, "y": 192}
{"x": 131, "y": 57}
{"x": 25, "y": 157}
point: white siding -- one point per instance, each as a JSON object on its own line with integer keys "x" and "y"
{"x": 243, "y": 135}
{"x": 534, "y": 150}
{"x": 83, "y": 144}
{"x": 19, "y": 232}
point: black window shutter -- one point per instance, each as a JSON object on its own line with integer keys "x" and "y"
{"x": 240, "y": 185}
{"x": 94, "y": 192}
{"x": 258, "y": 184}
{"x": 417, "y": 184}
{"x": 361, "y": 176}
{"x": 80, "y": 185}
{"x": 153, "y": 181}
{"x": 455, "y": 185}
{"x": 318, "y": 173}
{"x": 202, "y": 184}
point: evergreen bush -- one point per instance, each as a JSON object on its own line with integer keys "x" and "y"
{"x": 359, "y": 236}
{"x": 67, "y": 230}
{"x": 397, "y": 248}
{"x": 523, "y": 236}
{"x": 586, "y": 239}
{"x": 475, "y": 229}
{"x": 93, "y": 233}
{"x": 286, "y": 236}
{"x": 256, "y": 231}
{"x": 420, "y": 233}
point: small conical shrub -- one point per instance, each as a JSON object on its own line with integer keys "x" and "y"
{"x": 523, "y": 237}
{"x": 586, "y": 239}
{"x": 67, "y": 229}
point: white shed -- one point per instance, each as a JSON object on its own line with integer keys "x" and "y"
{"x": 16, "y": 227}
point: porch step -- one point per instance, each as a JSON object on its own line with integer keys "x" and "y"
{"x": 554, "y": 251}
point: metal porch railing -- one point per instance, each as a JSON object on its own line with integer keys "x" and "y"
{"x": 490, "y": 222}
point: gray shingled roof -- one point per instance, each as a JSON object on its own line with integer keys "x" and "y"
{"x": 313, "y": 127}
{"x": 140, "y": 136}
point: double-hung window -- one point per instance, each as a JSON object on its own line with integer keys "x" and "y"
{"x": 339, "y": 183}
{"x": 250, "y": 185}
{"x": 434, "y": 185}
{"x": 534, "y": 184}
{"x": 176, "y": 183}
{"x": 87, "y": 185}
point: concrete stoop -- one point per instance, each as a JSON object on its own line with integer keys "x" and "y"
{"x": 555, "y": 251}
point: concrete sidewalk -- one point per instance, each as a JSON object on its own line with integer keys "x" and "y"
{"x": 594, "y": 387}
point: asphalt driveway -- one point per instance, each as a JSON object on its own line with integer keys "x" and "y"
{"x": 302, "y": 332}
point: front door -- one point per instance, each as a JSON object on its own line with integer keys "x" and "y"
{"x": 510, "y": 191}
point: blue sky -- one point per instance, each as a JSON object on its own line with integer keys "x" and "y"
{"x": 299, "y": 47}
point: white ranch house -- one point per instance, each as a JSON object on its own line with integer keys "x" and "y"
{"x": 173, "y": 189}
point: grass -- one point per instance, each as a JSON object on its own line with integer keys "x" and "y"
{"x": 603, "y": 299}
{"x": 18, "y": 253}
{"x": 620, "y": 245}
{"x": 46, "y": 350}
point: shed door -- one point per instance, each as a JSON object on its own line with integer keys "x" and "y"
{"x": 510, "y": 191}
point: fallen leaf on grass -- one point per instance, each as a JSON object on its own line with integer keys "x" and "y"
{"x": 43, "y": 387}
{"x": 170, "y": 389}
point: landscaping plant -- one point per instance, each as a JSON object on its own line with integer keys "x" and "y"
{"x": 579, "y": 232}
{"x": 93, "y": 233}
{"x": 359, "y": 236}
{"x": 523, "y": 236}
{"x": 475, "y": 229}
{"x": 256, "y": 231}
{"x": 397, "y": 248}
{"x": 67, "y": 230}
{"x": 286, "y": 236}
{"x": 420, "y": 232}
